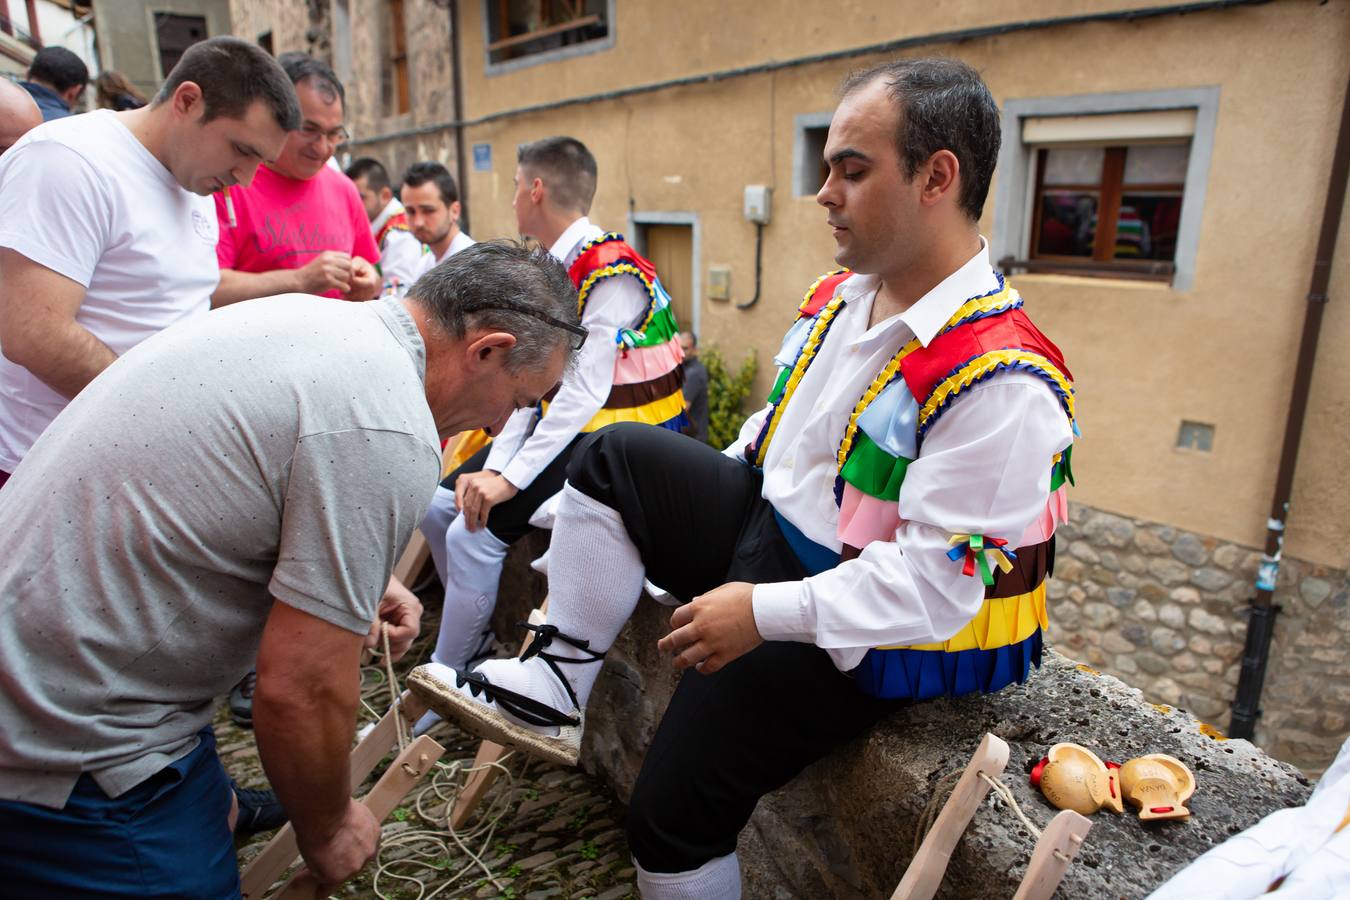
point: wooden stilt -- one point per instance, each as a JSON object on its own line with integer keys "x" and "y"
{"x": 488, "y": 752}
{"x": 281, "y": 851}
{"x": 925, "y": 871}
{"x": 1059, "y": 844}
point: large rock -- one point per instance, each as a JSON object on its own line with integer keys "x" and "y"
{"x": 846, "y": 827}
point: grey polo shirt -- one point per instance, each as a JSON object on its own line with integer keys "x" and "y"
{"x": 280, "y": 447}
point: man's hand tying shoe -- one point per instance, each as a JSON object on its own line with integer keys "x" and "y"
{"x": 477, "y": 492}
{"x": 713, "y": 629}
{"x": 344, "y": 850}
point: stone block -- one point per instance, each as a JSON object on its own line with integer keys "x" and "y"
{"x": 1314, "y": 591}
{"x": 1211, "y": 579}
{"x": 1190, "y": 549}
{"x": 1165, "y": 690}
{"x": 1125, "y": 663}
{"x": 1185, "y": 595}
{"x": 1168, "y": 571}
{"x": 1100, "y": 615}
{"x": 1105, "y": 529}
{"x": 1172, "y": 616}
{"x": 1144, "y": 611}
{"x": 1201, "y": 620}
{"x": 1134, "y": 563}
{"x": 1149, "y": 542}
{"x": 1184, "y": 662}
{"x": 1120, "y": 597}
{"x": 1084, "y": 551}
{"x": 1200, "y": 644}
{"x": 1067, "y": 568}
{"x": 1065, "y": 616}
{"x": 1152, "y": 663}
{"x": 1228, "y": 556}
{"x": 1135, "y": 633}
{"x": 1109, "y": 561}
{"x": 1114, "y": 642}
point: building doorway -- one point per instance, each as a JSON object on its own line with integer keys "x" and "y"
{"x": 670, "y": 241}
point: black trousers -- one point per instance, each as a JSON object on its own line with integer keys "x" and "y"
{"x": 508, "y": 522}
{"x": 699, "y": 521}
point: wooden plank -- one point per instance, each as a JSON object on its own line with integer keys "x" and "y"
{"x": 275, "y": 858}
{"x": 1059, "y": 844}
{"x": 413, "y": 560}
{"x": 281, "y": 852}
{"x": 924, "y": 875}
{"x": 488, "y": 751}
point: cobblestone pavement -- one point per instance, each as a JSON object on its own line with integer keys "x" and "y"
{"x": 542, "y": 831}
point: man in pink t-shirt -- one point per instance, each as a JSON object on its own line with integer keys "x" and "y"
{"x": 300, "y": 226}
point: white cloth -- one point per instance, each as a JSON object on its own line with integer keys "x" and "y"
{"x": 984, "y": 469}
{"x": 528, "y": 443}
{"x": 429, "y": 260}
{"x": 84, "y": 198}
{"x": 1300, "y": 845}
{"x": 401, "y": 255}
{"x": 716, "y": 879}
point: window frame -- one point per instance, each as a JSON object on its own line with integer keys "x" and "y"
{"x": 1015, "y": 201}
{"x": 490, "y": 9}
{"x": 807, "y": 168}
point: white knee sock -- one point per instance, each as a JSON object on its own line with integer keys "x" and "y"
{"x": 595, "y": 578}
{"x": 436, "y": 523}
{"x": 472, "y": 568}
{"x": 718, "y": 879}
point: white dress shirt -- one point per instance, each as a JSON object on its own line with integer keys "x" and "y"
{"x": 528, "y": 443}
{"x": 984, "y": 468}
{"x": 401, "y": 258}
{"x": 431, "y": 260}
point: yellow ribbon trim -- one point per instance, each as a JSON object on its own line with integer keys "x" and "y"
{"x": 999, "y": 623}
{"x": 976, "y": 305}
{"x": 618, "y": 269}
{"x": 803, "y": 362}
{"x": 806, "y": 298}
{"x": 981, "y": 366}
{"x": 653, "y": 413}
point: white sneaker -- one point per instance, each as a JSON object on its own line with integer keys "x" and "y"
{"x": 500, "y": 715}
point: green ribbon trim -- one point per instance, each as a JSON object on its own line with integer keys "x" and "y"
{"x": 1063, "y": 470}
{"x": 872, "y": 470}
{"x": 781, "y": 384}
{"x": 661, "y": 329}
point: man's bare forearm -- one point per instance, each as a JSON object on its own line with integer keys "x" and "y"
{"x": 304, "y": 730}
{"x": 60, "y": 352}
{"x": 236, "y": 286}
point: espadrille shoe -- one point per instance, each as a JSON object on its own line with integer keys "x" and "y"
{"x": 504, "y": 716}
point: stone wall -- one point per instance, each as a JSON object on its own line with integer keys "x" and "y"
{"x": 1166, "y": 611}
{"x": 846, "y": 827}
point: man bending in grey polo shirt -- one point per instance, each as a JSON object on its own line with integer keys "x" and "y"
{"x": 273, "y": 451}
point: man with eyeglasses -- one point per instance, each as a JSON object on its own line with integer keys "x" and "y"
{"x": 627, "y": 370}
{"x": 301, "y": 226}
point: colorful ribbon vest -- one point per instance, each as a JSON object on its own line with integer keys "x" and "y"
{"x": 647, "y": 371}
{"x": 987, "y": 336}
{"x": 396, "y": 222}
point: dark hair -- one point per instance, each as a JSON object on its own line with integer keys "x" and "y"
{"x": 377, "y": 178}
{"x": 58, "y": 67}
{"x": 944, "y": 105}
{"x": 301, "y": 68}
{"x": 693, "y": 338}
{"x": 566, "y": 167}
{"x": 473, "y": 287}
{"x": 115, "y": 91}
{"x": 420, "y": 173}
{"x": 233, "y": 74}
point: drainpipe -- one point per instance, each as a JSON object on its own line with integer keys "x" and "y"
{"x": 458, "y": 100}
{"x": 1261, "y": 623}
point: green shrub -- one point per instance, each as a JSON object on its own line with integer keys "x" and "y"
{"x": 727, "y": 393}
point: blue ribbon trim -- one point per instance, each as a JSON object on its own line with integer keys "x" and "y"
{"x": 925, "y": 674}
{"x": 815, "y": 558}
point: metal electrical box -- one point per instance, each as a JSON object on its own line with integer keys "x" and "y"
{"x": 758, "y": 199}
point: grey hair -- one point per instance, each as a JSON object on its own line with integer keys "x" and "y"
{"x": 474, "y": 288}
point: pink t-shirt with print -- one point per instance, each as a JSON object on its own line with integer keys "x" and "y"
{"x": 282, "y": 223}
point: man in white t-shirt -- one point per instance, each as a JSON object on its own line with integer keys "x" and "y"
{"x": 108, "y": 234}
{"x": 431, "y": 200}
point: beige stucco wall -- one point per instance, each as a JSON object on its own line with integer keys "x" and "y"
{"x": 1145, "y": 356}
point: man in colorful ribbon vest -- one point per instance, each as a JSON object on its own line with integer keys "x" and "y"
{"x": 627, "y": 370}
{"x": 878, "y": 535}
{"x": 400, "y": 253}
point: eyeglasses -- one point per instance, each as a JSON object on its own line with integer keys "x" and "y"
{"x": 311, "y": 132}
{"x": 575, "y": 330}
